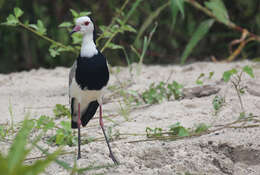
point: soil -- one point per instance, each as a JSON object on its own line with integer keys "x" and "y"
{"x": 227, "y": 151}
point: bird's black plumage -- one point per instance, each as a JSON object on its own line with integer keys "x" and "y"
{"x": 92, "y": 73}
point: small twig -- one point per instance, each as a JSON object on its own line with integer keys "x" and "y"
{"x": 113, "y": 20}
{"x": 47, "y": 38}
{"x": 237, "y": 88}
{"x": 229, "y": 125}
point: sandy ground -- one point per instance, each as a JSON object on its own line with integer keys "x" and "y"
{"x": 229, "y": 151}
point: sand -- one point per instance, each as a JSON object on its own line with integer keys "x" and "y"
{"x": 228, "y": 151}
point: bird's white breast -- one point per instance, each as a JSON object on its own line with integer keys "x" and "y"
{"x": 84, "y": 97}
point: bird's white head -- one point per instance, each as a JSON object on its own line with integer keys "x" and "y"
{"x": 84, "y": 25}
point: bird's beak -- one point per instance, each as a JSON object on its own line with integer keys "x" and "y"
{"x": 75, "y": 29}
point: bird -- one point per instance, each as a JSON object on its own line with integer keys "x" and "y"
{"x": 88, "y": 77}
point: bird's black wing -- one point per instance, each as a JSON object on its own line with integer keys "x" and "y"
{"x": 89, "y": 113}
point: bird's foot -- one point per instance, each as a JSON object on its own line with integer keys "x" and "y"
{"x": 114, "y": 159}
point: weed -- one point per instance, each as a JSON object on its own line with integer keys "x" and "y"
{"x": 202, "y": 77}
{"x": 61, "y": 111}
{"x": 157, "y": 93}
{"x": 10, "y": 108}
{"x": 3, "y": 131}
{"x": 64, "y": 135}
{"x": 201, "y": 127}
{"x": 236, "y": 79}
{"x": 178, "y": 130}
{"x": 175, "y": 89}
{"x": 217, "y": 103}
{"x": 199, "y": 81}
{"x": 156, "y": 132}
{"x": 45, "y": 123}
{"x": 13, "y": 163}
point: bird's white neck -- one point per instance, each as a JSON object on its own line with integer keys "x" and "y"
{"x": 88, "y": 48}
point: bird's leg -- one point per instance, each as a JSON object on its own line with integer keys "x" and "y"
{"x": 79, "y": 123}
{"x": 111, "y": 155}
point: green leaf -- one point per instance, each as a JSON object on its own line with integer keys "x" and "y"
{"x": 180, "y": 5}
{"x": 114, "y": 46}
{"x": 60, "y": 139}
{"x": 66, "y": 125}
{"x": 219, "y": 10}
{"x": 3, "y": 165}
{"x": 66, "y": 24}
{"x": 199, "y": 81}
{"x": 41, "y": 29}
{"x": 128, "y": 28}
{"x": 18, "y": 152}
{"x": 201, "y": 31}
{"x": 18, "y": 12}
{"x": 202, "y": 127}
{"x": 74, "y": 13}
{"x": 84, "y": 13}
{"x": 34, "y": 26}
{"x": 61, "y": 111}
{"x": 11, "y": 20}
{"x": 249, "y": 71}
{"x": 53, "y": 52}
{"x": 211, "y": 75}
{"x": 175, "y": 11}
{"x": 76, "y": 38}
{"x": 177, "y": 129}
{"x": 183, "y": 132}
{"x": 227, "y": 74}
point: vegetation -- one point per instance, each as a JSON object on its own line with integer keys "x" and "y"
{"x": 129, "y": 29}
{"x": 138, "y": 31}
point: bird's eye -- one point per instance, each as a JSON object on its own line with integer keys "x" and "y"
{"x": 86, "y": 23}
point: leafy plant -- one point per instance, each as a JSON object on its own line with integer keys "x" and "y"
{"x": 3, "y": 131}
{"x": 218, "y": 102}
{"x": 45, "y": 123}
{"x": 201, "y": 31}
{"x": 156, "y": 132}
{"x": 175, "y": 89}
{"x": 157, "y": 93}
{"x": 178, "y": 130}
{"x": 201, "y": 127}
{"x": 236, "y": 78}
{"x": 64, "y": 135}
{"x": 202, "y": 77}
{"x": 61, "y": 111}
{"x": 13, "y": 163}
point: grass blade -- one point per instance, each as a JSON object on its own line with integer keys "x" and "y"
{"x": 150, "y": 19}
{"x": 18, "y": 152}
{"x": 219, "y": 10}
{"x": 201, "y": 31}
{"x": 175, "y": 11}
{"x": 129, "y": 14}
{"x": 180, "y": 5}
